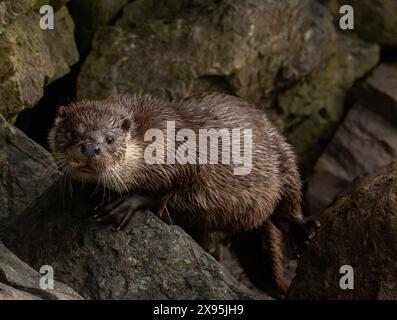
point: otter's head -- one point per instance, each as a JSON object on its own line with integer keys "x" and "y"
{"x": 90, "y": 140}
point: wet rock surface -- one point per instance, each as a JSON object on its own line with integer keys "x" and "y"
{"x": 357, "y": 230}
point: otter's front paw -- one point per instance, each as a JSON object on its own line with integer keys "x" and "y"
{"x": 121, "y": 210}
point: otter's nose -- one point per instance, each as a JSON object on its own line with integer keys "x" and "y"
{"x": 90, "y": 150}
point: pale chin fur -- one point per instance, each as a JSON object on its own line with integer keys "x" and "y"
{"x": 100, "y": 178}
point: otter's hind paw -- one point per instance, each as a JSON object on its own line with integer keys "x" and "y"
{"x": 301, "y": 233}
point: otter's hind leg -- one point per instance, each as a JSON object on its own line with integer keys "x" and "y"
{"x": 288, "y": 215}
{"x": 289, "y": 219}
{"x": 260, "y": 253}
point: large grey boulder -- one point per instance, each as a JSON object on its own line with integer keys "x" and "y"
{"x": 18, "y": 281}
{"x": 31, "y": 58}
{"x": 282, "y": 55}
{"x": 149, "y": 260}
{"x": 26, "y": 171}
{"x": 359, "y": 230}
{"x": 365, "y": 142}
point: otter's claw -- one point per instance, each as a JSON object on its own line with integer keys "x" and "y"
{"x": 121, "y": 210}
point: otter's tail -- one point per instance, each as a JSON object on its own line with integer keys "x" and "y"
{"x": 260, "y": 253}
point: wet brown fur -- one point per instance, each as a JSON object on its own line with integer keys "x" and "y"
{"x": 254, "y": 209}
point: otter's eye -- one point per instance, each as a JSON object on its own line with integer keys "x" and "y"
{"x": 109, "y": 140}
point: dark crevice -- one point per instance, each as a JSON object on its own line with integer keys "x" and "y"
{"x": 37, "y": 121}
{"x": 389, "y": 55}
{"x": 118, "y": 15}
{"x": 216, "y": 83}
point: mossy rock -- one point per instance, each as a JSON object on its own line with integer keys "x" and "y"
{"x": 31, "y": 58}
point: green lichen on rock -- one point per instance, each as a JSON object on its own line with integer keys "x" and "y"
{"x": 11, "y": 9}
{"x": 311, "y": 109}
{"x": 30, "y": 58}
{"x": 375, "y": 20}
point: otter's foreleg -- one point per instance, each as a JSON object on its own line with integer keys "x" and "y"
{"x": 122, "y": 209}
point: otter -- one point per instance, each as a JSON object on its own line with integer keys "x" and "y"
{"x": 104, "y": 142}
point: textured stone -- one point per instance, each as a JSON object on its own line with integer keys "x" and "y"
{"x": 149, "y": 260}
{"x": 282, "y": 55}
{"x": 204, "y": 49}
{"x": 89, "y": 15}
{"x": 365, "y": 142}
{"x": 18, "y": 281}
{"x": 30, "y": 58}
{"x": 359, "y": 230}
{"x": 26, "y": 171}
{"x": 379, "y": 92}
{"x": 374, "y": 20}
{"x": 11, "y": 9}
{"x": 311, "y": 109}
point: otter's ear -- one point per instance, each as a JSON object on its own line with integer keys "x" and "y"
{"x": 61, "y": 112}
{"x": 126, "y": 124}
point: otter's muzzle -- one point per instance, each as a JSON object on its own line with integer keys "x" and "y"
{"x": 90, "y": 150}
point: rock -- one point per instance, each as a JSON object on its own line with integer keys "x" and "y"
{"x": 202, "y": 48}
{"x": 379, "y": 92}
{"x": 26, "y": 171}
{"x": 365, "y": 142}
{"x": 357, "y": 230}
{"x": 18, "y": 281}
{"x": 30, "y": 58}
{"x": 273, "y": 53}
{"x": 375, "y": 21}
{"x": 150, "y": 260}
{"x": 11, "y": 9}
{"x": 312, "y": 108}
{"x": 89, "y": 15}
